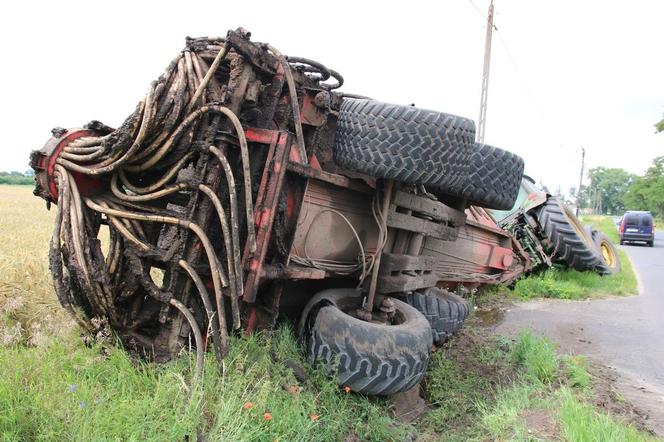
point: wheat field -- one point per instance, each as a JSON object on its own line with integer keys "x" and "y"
{"x": 29, "y": 309}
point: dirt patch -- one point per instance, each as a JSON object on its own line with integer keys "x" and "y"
{"x": 409, "y": 406}
{"x": 606, "y": 396}
{"x": 541, "y": 424}
{"x": 468, "y": 349}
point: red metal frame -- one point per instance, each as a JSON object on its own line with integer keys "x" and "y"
{"x": 49, "y": 155}
{"x": 266, "y": 202}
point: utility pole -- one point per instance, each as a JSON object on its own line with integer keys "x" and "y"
{"x": 485, "y": 74}
{"x": 578, "y": 192}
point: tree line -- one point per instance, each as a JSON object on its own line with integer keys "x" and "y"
{"x": 20, "y": 178}
{"x": 613, "y": 190}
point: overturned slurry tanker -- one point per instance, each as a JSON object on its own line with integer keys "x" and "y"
{"x": 245, "y": 188}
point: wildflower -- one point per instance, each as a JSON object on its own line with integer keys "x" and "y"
{"x": 267, "y": 416}
{"x": 248, "y": 406}
{"x": 313, "y": 416}
{"x": 81, "y": 404}
{"x": 72, "y": 388}
{"x": 347, "y": 389}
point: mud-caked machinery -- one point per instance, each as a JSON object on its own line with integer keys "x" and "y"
{"x": 245, "y": 188}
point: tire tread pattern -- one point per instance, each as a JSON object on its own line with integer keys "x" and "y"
{"x": 403, "y": 143}
{"x": 494, "y": 177}
{"x": 568, "y": 246}
{"x": 370, "y": 359}
{"x": 445, "y": 311}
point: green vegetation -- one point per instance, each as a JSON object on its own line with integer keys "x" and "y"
{"x": 536, "y": 356}
{"x": 604, "y": 224}
{"x": 659, "y": 126}
{"x": 54, "y": 387}
{"x": 614, "y": 190}
{"x": 571, "y": 284}
{"x": 17, "y": 178}
{"x": 647, "y": 192}
{"x": 564, "y": 283}
{"x": 607, "y": 189}
{"x": 66, "y": 391}
{"x": 580, "y": 422}
{"x": 528, "y": 392}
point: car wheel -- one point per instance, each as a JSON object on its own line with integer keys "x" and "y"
{"x": 370, "y": 358}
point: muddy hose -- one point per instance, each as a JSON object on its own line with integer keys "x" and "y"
{"x": 198, "y": 337}
{"x": 144, "y": 184}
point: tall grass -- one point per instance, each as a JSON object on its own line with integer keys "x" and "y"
{"x": 53, "y": 387}
{"x": 581, "y": 423}
{"x": 66, "y": 391}
{"x": 604, "y": 224}
{"x": 564, "y": 283}
{"x": 29, "y": 310}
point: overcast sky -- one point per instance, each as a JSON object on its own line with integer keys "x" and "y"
{"x": 564, "y": 74}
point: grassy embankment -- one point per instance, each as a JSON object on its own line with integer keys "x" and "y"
{"x": 54, "y": 387}
{"x": 566, "y": 283}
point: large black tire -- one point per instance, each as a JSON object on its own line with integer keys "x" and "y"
{"x": 607, "y": 253}
{"x": 445, "y": 311}
{"x": 404, "y": 143}
{"x": 494, "y": 177}
{"x": 369, "y": 358}
{"x": 571, "y": 243}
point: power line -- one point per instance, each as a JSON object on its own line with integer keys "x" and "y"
{"x": 478, "y": 9}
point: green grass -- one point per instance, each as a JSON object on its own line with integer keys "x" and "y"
{"x": 488, "y": 392}
{"x": 581, "y": 423}
{"x": 604, "y": 224}
{"x": 564, "y": 283}
{"x": 555, "y": 386}
{"x": 53, "y": 387}
{"x": 536, "y": 356}
{"x": 66, "y": 391}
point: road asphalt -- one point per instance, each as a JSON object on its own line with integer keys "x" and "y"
{"x": 623, "y": 333}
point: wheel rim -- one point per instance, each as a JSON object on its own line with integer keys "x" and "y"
{"x": 608, "y": 254}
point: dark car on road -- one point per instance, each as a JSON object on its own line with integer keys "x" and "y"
{"x": 637, "y": 226}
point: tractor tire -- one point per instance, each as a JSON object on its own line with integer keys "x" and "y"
{"x": 369, "y": 358}
{"x": 494, "y": 177}
{"x": 608, "y": 254}
{"x": 445, "y": 311}
{"x": 571, "y": 243}
{"x": 404, "y": 143}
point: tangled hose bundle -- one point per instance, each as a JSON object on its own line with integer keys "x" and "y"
{"x": 181, "y": 149}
